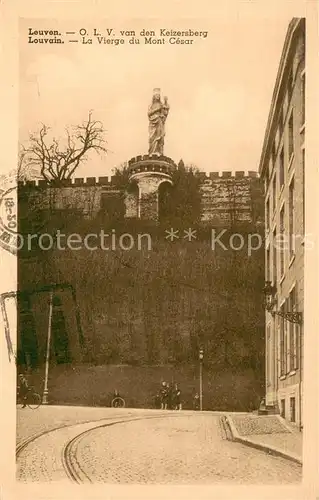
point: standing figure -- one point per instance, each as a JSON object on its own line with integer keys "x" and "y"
{"x": 23, "y": 389}
{"x": 164, "y": 396}
{"x": 196, "y": 404}
{"x": 157, "y": 114}
{"x": 177, "y": 398}
{"x": 169, "y": 396}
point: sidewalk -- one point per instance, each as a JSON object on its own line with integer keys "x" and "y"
{"x": 268, "y": 433}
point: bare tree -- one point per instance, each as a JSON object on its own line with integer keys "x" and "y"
{"x": 56, "y": 162}
{"x": 237, "y": 202}
{"x": 24, "y": 168}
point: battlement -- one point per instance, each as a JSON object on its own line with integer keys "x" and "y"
{"x": 151, "y": 158}
{"x": 229, "y": 174}
{"x": 93, "y": 194}
{"x": 76, "y": 182}
{"x": 137, "y": 165}
{"x": 152, "y": 164}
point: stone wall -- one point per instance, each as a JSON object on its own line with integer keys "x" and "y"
{"x": 226, "y": 196}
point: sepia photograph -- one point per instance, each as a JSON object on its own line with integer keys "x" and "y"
{"x": 157, "y": 218}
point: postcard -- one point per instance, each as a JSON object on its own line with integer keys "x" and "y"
{"x": 158, "y": 250}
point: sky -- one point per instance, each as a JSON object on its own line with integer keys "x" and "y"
{"x": 219, "y": 88}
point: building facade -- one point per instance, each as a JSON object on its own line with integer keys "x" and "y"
{"x": 282, "y": 170}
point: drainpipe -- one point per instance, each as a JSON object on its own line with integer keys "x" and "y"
{"x": 300, "y": 377}
{"x": 276, "y": 360}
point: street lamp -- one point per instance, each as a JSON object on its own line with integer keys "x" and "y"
{"x": 47, "y": 358}
{"x": 201, "y": 357}
{"x": 270, "y": 293}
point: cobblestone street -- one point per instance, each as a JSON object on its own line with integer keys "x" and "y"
{"x": 139, "y": 446}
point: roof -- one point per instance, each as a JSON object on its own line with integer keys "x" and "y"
{"x": 295, "y": 25}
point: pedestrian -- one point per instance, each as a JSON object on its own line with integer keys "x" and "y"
{"x": 196, "y": 401}
{"x": 23, "y": 389}
{"x": 164, "y": 396}
{"x": 169, "y": 396}
{"x": 116, "y": 395}
{"x": 177, "y": 398}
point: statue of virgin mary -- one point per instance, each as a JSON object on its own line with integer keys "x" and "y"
{"x": 157, "y": 114}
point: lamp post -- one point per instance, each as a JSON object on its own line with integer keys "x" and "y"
{"x": 47, "y": 358}
{"x": 201, "y": 357}
{"x": 270, "y": 293}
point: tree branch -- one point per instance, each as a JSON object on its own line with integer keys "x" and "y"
{"x": 57, "y": 163}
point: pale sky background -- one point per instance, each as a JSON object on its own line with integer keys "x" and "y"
{"x": 219, "y": 89}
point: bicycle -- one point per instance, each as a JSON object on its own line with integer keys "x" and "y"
{"x": 118, "y": 402}
{"x": 32, "y": 399}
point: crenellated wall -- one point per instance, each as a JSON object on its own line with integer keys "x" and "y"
{"x": 226, "y": 195}
{"x": 109, "y": 180}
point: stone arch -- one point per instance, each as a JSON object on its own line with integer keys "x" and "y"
{"x": 132, "y": 199}
{"x": 164, "y": 197}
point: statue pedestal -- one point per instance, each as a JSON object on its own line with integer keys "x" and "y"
{"x": 149, "y": 172}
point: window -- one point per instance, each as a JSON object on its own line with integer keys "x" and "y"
{"x": 282, "y": 168}
{"x": 281, "y": 124}
{"x": 292, "y": 218}
{"x": 292, "y": 346}
{"x": 282, "y": 242}
{"x": 283, "y": 408}
{"x": 277, "y": 138}
{"x": 282, "y": 348}
{"x": 290, "y": 85}
{"x": 291, "y": 136}
{"x": 303, "y": 98}
{"x": 286, "y": 104}
{"x": 268, "y": 264}
{"x": 292, "y": 410}
{"x": 267, "y": 214}
{"x": 293, "y": 335}
{"x": 266, "y": 178}
{"x": 274, "y": 258}
{"x": 273, "y": 155}
{"x": 274, "y": 193}
{"x": 283, "y": 341}
{"x": 268, "y": 369}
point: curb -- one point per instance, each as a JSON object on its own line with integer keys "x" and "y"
{"x": 271, "y": 450}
